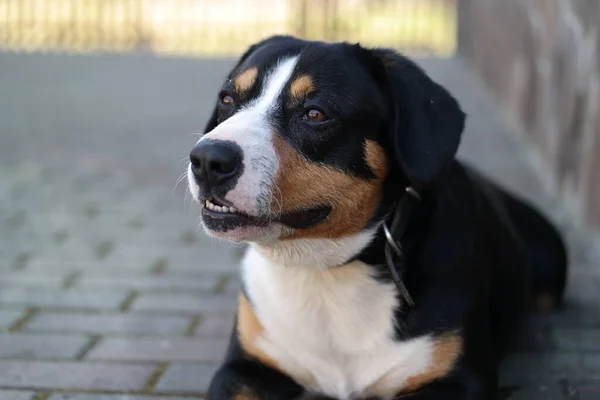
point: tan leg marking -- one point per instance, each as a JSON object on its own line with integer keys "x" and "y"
{"x": 250, "y": 331}
{"x": 447, "y": 350}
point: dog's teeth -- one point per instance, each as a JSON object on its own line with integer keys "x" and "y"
{"x": 221, "y": 209}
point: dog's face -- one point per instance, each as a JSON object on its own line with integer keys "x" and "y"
{"x": 307, "y": 139}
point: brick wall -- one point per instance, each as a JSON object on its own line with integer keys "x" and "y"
{"x": 541, "y": 58}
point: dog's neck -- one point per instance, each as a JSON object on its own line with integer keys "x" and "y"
{"x": 367, "y": 245}
{"x": 316, "y": 253}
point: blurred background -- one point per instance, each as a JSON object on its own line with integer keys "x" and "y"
{"x": 108, "y": 288}
{"x": 221, "y": 28}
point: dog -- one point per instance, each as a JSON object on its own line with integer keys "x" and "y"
{"x": 378, "y": 265}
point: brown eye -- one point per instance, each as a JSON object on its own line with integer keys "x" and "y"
{"x": 227, "y": 100}
{"x": 315, "y": 116}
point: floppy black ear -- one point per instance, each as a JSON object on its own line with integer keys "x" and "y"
{"x": 427, "y": 121}
{"x": 213, "y": 120}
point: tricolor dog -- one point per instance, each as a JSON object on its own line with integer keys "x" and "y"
{"x": 378, "y": 265}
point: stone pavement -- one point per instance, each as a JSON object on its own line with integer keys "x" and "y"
{"x": 108, "y": 291}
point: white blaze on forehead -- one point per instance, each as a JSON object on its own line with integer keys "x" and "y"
{"x": 250, "y": 129}
{"x": 274, "y": 85}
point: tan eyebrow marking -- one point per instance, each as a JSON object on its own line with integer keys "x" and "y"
{"x": 302, "y": 86}
{"x": 246, "y": 79}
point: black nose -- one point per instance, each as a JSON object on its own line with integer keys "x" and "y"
{"x": 216, "y": 161}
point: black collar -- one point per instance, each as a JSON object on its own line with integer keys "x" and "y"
{"x": 394, "y": 254}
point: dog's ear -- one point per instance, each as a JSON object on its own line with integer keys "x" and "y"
{"x": 426, "y": 122}
{"x": 213, "y": 120}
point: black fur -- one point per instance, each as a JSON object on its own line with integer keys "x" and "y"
{"x": 475, "y": 254}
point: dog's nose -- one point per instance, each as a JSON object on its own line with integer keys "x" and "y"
{"x": 215, "y": 161}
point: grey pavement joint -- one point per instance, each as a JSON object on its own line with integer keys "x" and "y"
{"x": 9, "y": 317}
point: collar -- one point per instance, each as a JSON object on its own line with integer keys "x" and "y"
{"x": 394, "y": 254}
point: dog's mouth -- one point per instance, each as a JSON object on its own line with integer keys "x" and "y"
{"x": 222, "y": 216}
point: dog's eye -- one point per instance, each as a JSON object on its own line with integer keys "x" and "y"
{"x": 227, "y": 100}
{"x": 314, "y": 115}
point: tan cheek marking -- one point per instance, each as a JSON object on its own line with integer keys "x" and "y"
{"x": 447, "y": 350}
{"x": 302, "y": 86}
{"x": 376, "y": 158}
{"x": 250, "y": 331}
{"x": 304, "y": 184}
{"x": 245, "y": 80}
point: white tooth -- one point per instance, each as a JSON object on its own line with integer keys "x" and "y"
{"x": 207, "y": 203}
{"x": 232, "y": 210}
{"x": 225, "y": 209}
{"x": 211, "y": 206}
{"x": 218, "y": 209}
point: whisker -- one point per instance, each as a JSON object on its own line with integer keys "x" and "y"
{"x": 179, "y": 180}
{"x": 279, "y": 200}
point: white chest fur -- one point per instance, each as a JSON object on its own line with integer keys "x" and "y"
{"x": 332, "y": 329}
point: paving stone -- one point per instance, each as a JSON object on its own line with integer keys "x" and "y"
{"x": 112, "y": 397}
{"x": 532, "y": 368}
{"x": 16, "y": 395}
{"x": 185, "y": 303}
{"x": 573, "y": 316}
{"x": 90, "y": 269}
{"x": 144, "y": 349}
{"x": 8, "y": 317}
{"x": 8, "y": 280}
{"x": 550, "y": 391}
{"x": 206, "y": 284}
{"x": 74, "y": 375}
{"x": 26, "y": 346}
{"x": 107, "y": 299}
{"x": 216, "y": 326}
{"x": 589, "y": 391}
{"x": 108, "y": 323}
{"x": 565, "y": 339}
{"x": 193, "y": 378}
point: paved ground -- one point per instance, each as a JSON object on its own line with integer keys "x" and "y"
{"x": 107, "y": 287}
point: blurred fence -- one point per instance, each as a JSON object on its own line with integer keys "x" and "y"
{"x": 222, "y": 27}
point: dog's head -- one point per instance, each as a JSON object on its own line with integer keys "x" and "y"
{"x": 316, "y": 140}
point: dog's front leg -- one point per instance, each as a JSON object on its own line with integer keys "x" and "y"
{"x": 245, "y": 379}
{"x": 247, "y": 374}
